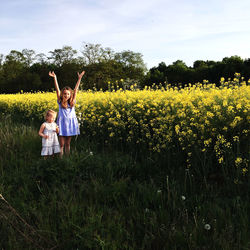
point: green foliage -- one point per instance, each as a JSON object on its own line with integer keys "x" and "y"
{"x": 103, "y": 65}
{"x": 27, "y": 71}
{"x": 61, "y": 56}
{"x": 210, "y": 70}
{"x": 105, "y": 199}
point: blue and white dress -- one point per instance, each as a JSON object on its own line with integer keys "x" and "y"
{"x": 50, "y": 145}
{"x": 67, "y": 121}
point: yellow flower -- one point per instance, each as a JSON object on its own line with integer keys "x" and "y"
{"x": 221, "y": 159}
{"x": 177, "y": 129}
{"x": 238, "y": 161}
{"x": 236, "y": 138}
{"x": 244, "y": 171}
{"x": 111, "y": 134}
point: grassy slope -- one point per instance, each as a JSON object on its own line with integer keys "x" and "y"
{"x": 113, "y": 200}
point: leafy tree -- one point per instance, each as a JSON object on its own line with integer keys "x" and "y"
{"x": 15, "y": 56}
{"x": 41, "y": 58}
{"x": 103, "y": 65}
{"x": 231, "y": 65}
{"x": 246, "y": 68}
{"x": 14, "y": 65}
{"x": 131, "y": 59}
{"x": 162, "y": 67}
{"x": 1, "y": 71}
{"x": 199, "y": 64}
{"x": 95, "y": 53}
{"x": 1, "y": 60}
{"x": 98, "y": 75}
{"x": 29, "y": 56}
{"x": 64, "y": 55}
{"x": 67, "y": 74}
{"x": 28, "y": 71}
{"x": 154, "y": 76}
{"x": 41, "y": 70}
{"x": 17, "y": 72}
{"x": 177, "y": 72}
{"x": 200, "y": 71}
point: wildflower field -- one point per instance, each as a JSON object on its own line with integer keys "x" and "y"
{"x": 197, "y": 121}
{"x": 162, "y": 168}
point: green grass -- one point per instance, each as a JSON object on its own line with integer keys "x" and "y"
{"x": 113, "y": 199}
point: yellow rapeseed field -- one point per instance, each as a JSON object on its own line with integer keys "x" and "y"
{"x": 200, "y": 118}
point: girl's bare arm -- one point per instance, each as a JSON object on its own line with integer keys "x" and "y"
{"x": 41, "y": 132}
{"x": 52, "y": 74}
{"x": 57, "y": 130}
{"x": 77, "y": 85}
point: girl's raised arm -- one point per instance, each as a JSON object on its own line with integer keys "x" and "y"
{"x": 77, "y": 85}
{"x": 52, "y": 74}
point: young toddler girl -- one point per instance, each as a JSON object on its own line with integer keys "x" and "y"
{"x": 48, "y": 131}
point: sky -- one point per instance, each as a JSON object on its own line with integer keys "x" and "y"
{"x": 161, "y": 30}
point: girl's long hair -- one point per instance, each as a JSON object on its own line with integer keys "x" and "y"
{"x": 70, "y": 101}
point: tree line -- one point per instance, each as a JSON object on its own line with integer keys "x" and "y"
{"x": 27, "y": 71}
{"x": 212, "y": 71}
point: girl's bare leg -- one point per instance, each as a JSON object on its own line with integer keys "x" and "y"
{"x": 67, "y": 144}
{"x": 62, "y": 143}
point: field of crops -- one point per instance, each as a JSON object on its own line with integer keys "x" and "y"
{"x": 197, "y": 120}
{"x": 162, "y": 168}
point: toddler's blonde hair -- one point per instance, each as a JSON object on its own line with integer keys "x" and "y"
{"x": 49, "y": 111}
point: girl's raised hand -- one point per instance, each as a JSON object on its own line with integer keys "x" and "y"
{"x": 80, "y": 75}
{"x": 52, "y": 74}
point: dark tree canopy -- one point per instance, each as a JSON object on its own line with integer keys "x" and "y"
{"x": 178, "y": 72}
{"x": 27, "y": 70}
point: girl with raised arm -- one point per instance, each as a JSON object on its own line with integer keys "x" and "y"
{"x": 66, "y": 120}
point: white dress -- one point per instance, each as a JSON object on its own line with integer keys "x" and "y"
{"x": 51, "y": 145}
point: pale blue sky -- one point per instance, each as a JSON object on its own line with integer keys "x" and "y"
{"x": 161, "y": 30}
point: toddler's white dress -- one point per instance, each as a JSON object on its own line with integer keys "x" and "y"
{"x": 51, "y": 145}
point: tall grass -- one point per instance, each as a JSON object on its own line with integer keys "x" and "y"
{"x": 106, "y": 199}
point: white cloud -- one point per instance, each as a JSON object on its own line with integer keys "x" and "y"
{"x": 162, "y": 30}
